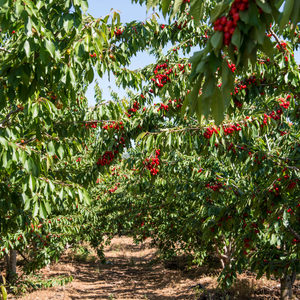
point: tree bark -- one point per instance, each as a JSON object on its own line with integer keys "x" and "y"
{"x": 287, "y": 286}
{"x": 13, "y": 261}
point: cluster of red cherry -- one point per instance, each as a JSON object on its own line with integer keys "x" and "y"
{"x": 153, "y": 163}
{"x": 214, "y": 186}
{"x": 180, "y": 25}
{"x": 228, "y": 25}
{"x": 163, "y": 107}
{"x": 291, "y": 185}
{"x": 238, "y": 103}
{"x": 283, "y": 45}
{"x": 176, "y": 101}
{"x": 114, "y": 188}
{"x": 274, "y": 116}
{"x": 90, "y": 125}
{"x": 209, "y": 132}
{"x": 136, "y": 107}
{"x": 256, "y": 159}
{"x": 114, "y": 125}
{"x": 231, "y": 146}
{"x": 285, "y": 104}
{"x": 106, "y": 158}
{"x": 93, "y": 55}
{"x": 246, "y": 242}
{"x": 118, "y": 32}
{"x": 231, "y": 129}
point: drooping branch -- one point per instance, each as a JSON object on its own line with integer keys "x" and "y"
{"x": 8, "y": 116}
{"x": 294, "y": 232}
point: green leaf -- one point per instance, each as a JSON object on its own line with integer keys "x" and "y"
{"x": 176, "y": 7}
{"x": 215, "y": 62}
{"x": 295, "y": 13}
{"x": 87, "y": 197}
{"x": 217, "y": 106}
{"x": 209, "y": 86}
{"x": 27, "y": 48}
{"x": 140, "y": 136}
{"x": 285, "y": 15}
{"x": 236, "y": 37}
{"x": 51, "y": 149}
{"x": 268, "y": 47}
{"x": 35, "y": 209}
{"x": 165, "y": 7}
{"x": 91, "y": 75}
{"x": 4, "y": 293}
{"x": 48, "y": 207}
{"x": 61, "y": 151}
{"x": 217, "y": 39}
{"x": 84, "y": 6}
{"x": 149, "y": 142}
{"x": 197, "y": 9}
{"x": 218, "y": 10}
{"x": 43, "y": 211}
{"x": 264, "y": 6}
{"x": 31, "y": 182}
{"x": 4, "y": 142}
{"x": 50, "y": 47}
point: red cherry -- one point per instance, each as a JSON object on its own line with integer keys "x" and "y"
{"x": 220, "y": 27}
{"x": 227, "y": 36}
{"x": 236, "y": 16}
{"x": 223, "y": 20}
{"x": 226, "y": 42}
{"x": 217, "y": 22}
{"x": 234, "y": 22}
{"x": 233, "y": 11}
{"x": 245, "y": 1}
{"x": 13, "y": 32}
{"x": 231, "y": 30}
{"x": 225, "y": 29}
{"x": 229, "y": 23}
{"x": 242, "y": 6}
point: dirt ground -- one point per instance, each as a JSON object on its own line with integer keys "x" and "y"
{"x": 128, "y": 275}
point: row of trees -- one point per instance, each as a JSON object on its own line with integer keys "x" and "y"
{"x": 197, "y": 180}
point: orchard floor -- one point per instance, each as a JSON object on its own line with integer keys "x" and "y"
{"x": 127, "y": 275}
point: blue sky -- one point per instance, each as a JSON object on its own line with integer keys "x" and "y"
{"x": 129, "y": 12}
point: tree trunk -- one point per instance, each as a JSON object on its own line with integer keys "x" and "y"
{"x": 11, "y": 264}
{"x": 287, "y": 286}
{"x": 13, "y": 261}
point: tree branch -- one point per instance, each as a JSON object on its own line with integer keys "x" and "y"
{"x": 5, "y": 50}
{"x": 8, "y": 116}
{"x": 277, "y": 40}
{"x": 294, "y": 232}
